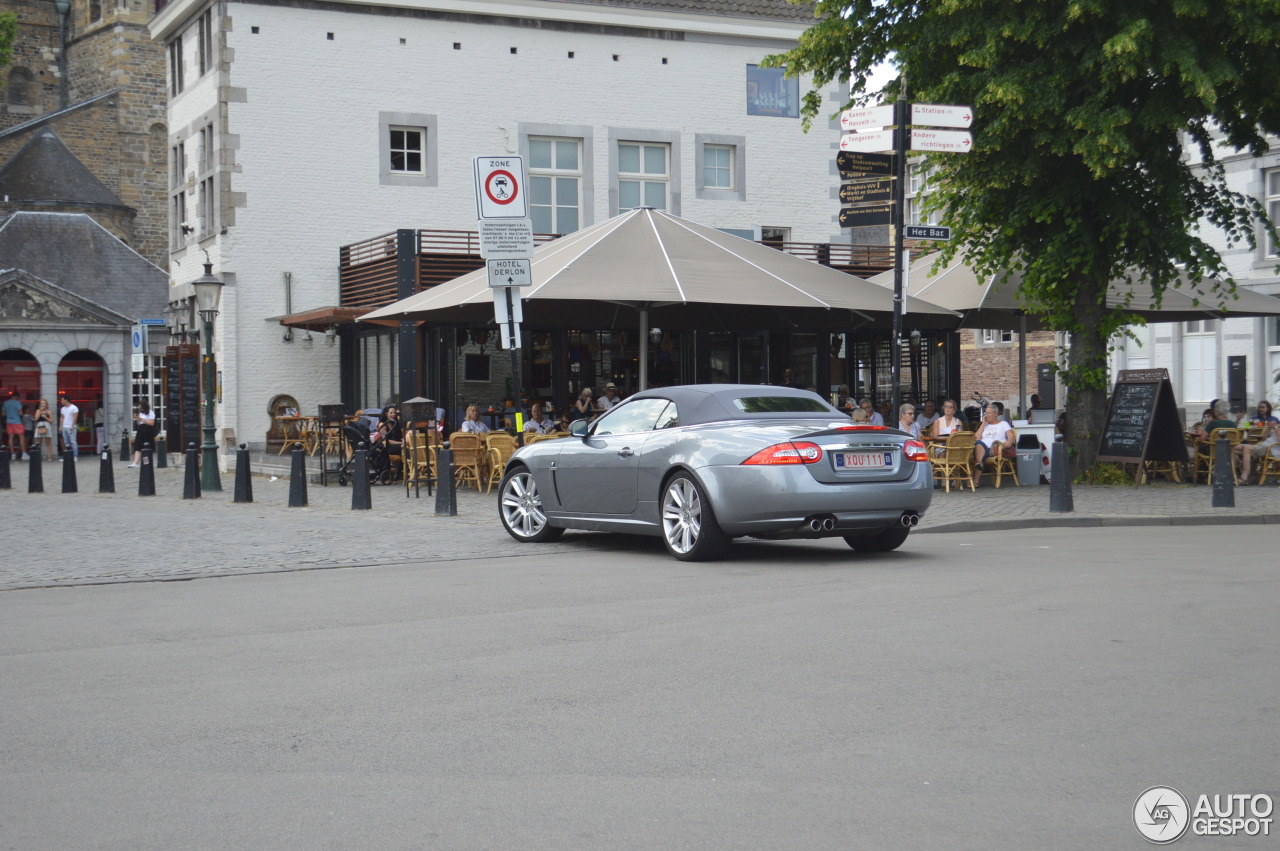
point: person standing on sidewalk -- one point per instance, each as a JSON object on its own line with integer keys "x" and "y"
{"x": 145, "y": 423}
{"x": 43, "y": 435}
{"x": 69, "y": 412}
{"x": 13, "y": 426}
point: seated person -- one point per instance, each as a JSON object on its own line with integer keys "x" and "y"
{"x": 873, "y": 416}
{"x": 944, "y": 425}
{"x": 927, "y": 414}
{"x": 473, "y": 424}
{"x": 1220, "y": 417}
{"x": 1270, "y": 426}
{"x": 861, "y": 416}
{"x": 538, "y": 422}
{"x": 390, "y": 430}
{"x": 907, "y": 419}
{"x": 561, "y": 425}
{"x": 992, "y": 431}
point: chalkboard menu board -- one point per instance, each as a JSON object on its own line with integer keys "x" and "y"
{"x": 190, "y": 401}
{"x": 1142, "y": 421}
{"x": 182, "y": 396}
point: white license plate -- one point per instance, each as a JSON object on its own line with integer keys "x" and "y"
{"x": 863, "y": 460}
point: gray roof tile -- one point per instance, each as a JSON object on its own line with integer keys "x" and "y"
{"x": 76, "y": 253}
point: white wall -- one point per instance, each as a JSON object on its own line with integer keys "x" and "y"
{"x": 302, "y": 136}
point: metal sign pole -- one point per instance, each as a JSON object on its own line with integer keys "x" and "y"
{"x": 513, "y": 331}
{"x": 899, "y": 200}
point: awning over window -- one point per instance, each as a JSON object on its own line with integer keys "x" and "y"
{"x": 320, "y": 318}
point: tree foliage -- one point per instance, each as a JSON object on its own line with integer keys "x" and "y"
{"x": 8, "y": 34}
{"x": 1077, "y": 174}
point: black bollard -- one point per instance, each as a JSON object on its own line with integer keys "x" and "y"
{"x": 35, "y": 472}
{"x": 298, "y": 478}
{"x": 361, "y": 498}
{"x": 146, "y": 472}
{"x": 69, "y": 483}
{"x": 446, "y": 494}
{"x": 106, "y": 474}
{"x": 191, "y": 480}
{"x": 124, "y": 445}
{"x": 5, "y": 482}
{"x": 244, "y": 484}
{"x": 1224, "y": 480}
{"x": 1060, "y": 478}
{"x": 162, "y": 459}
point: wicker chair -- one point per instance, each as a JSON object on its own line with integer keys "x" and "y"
{"x": 1270, "y": 466}
{"x": 1206, "y": 452}
{"x": 955, "y": 464}
{"x": 500, "y": 445}
{"x": 997, "y": 464}
{"x": 417, "y": 461}
{"x": 468, "y": 455}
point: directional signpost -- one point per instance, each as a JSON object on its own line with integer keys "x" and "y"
{"x": 852, "y": 164}
{"x": 866, "y": 191}
{"x": 510, "y": 273}
{"x": 875, "y": 142}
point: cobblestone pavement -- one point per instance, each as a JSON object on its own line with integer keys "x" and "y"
{"x": 89, "y": 538}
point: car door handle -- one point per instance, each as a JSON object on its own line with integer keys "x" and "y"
{"x": 625, "y": 452}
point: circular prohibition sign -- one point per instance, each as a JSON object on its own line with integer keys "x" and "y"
{"x": 501, "y": 187}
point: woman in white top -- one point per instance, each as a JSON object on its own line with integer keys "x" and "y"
{"x": 473, "y": 424}
{"x": 145, "y": 424}
{"x": 945, "y": 425}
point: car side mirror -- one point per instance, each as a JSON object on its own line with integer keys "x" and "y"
{"x": 578, "y": 428}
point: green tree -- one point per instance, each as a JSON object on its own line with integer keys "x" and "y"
{"x": 1077, "y": 172}
{"x": 8, "y": 33}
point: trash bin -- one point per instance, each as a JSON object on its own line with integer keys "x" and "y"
{"x": 1029, "y": 463}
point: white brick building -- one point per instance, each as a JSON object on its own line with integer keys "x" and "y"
{"x": 298, "y": 128}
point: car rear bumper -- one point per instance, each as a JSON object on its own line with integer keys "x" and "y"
{"x": 763, "y": 500}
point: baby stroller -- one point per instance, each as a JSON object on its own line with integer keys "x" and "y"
{"x": 379, "y": 460}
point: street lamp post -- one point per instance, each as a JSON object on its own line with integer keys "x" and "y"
{"x": 208, "y": 292}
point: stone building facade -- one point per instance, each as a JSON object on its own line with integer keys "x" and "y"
{"x": 98, "y": 80}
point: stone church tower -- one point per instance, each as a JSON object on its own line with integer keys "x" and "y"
{"x": 89, "y": 71}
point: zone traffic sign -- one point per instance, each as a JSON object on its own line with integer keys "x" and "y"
{"x": 500, "y": 188}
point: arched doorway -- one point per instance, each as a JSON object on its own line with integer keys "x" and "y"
{"x": 81, "y": 378}
{"x": 20, "y": 371}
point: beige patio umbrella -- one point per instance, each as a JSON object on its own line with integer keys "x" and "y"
{"x": 992, "y": 301}
{"x": 678, "y": 275}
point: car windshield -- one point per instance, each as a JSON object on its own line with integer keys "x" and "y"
{"x": 780, "y": 405}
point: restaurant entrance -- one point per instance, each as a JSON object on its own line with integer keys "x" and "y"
{"x": 81, "y": 378}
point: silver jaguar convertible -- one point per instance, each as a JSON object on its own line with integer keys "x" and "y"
{"x": 701, "y": 464}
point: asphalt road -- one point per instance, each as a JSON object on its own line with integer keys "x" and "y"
{"x": 1000, "y": 690}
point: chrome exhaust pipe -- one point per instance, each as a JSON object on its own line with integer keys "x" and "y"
{"x": 828, "y": 524}
{"x": 816, "y": 524}
{"x": 910, "y": 520}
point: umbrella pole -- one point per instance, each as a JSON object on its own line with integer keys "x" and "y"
{"x": 644, "y": 348}
{"x": 1022, "y": 365}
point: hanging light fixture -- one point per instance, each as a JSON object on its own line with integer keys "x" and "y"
{"x": 331, "y": 335}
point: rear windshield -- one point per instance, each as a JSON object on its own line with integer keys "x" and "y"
{"x": 780, "y": 405}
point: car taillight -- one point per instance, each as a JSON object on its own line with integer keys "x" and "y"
{"x": 786, "y": 453}
{"x": 915, "y": 450}
{"x": 860, "y": 427}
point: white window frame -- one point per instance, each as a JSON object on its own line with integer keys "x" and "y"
{"x": 1271, "y": 201}
{"x": 428, "y": 126}
{"x": 204, "y": 38}
{"x": 717, "y": 164}
{"x": 555, "y": 174}
{"x": 175, "y": 66}
{"x": 405, "y": 150}
{"x": 737, "y": 145}
{"x": 995, "y": 337}
{"x": 644, "y": 178}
